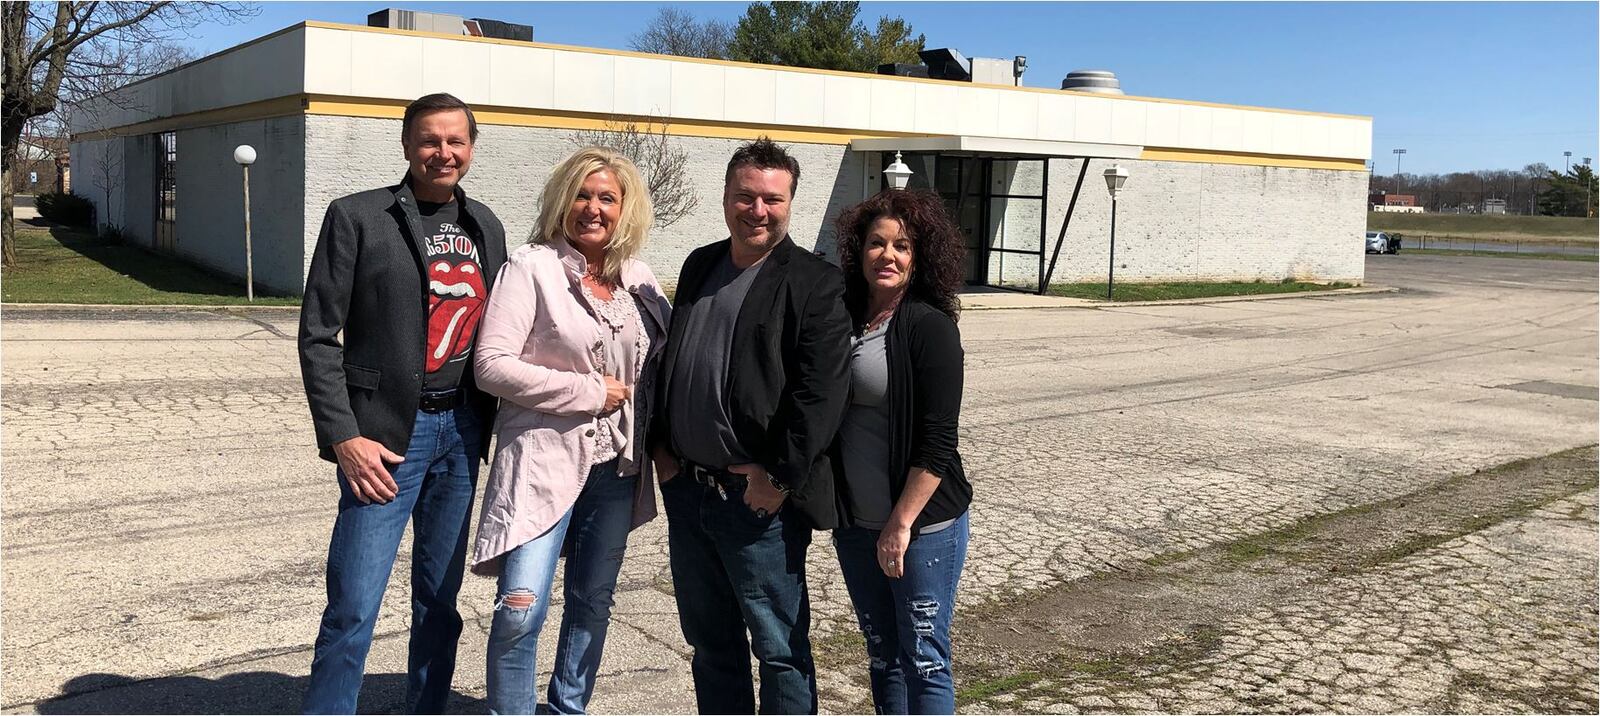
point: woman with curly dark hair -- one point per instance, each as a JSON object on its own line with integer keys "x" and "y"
{"x": 904, "y": 545}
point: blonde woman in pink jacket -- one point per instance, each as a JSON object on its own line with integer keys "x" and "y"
{"x": 570, "y": 343}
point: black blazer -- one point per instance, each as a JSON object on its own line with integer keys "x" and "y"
{"x": 788, "y": 379}
{"x": 368, "y": 279}
{"x": 925, "y": 359}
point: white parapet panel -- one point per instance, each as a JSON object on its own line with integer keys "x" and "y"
{"x": 264, "y": 69}
{"x": 364, "y": 64}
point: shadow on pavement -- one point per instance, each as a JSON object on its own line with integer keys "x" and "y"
{"x": 249, "y": 692}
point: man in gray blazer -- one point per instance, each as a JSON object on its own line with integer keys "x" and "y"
{"x": 402, "y": 274}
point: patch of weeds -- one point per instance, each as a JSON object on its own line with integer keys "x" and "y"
{"x": 1246, "y": 551}
{"x": 844, "y": 646}
{"x": 1547, "y": 699}
{"x": 987, "y": 688}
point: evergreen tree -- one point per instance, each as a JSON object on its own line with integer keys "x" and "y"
{"x": 821, "y": 35}
{"x": 1569, "y": 194}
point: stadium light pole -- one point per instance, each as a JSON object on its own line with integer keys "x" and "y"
{"x": 1397, "y": 154}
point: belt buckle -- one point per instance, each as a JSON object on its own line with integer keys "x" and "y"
{"x": 706, "y": 476}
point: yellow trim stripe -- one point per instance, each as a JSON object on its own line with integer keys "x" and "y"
{"x": 265, "y": 109}
{"x": 551, "y": 119}
{"x": 325, "y": 105}
{"x": 1160, "y": 154}
{"x": 805, "y": 70}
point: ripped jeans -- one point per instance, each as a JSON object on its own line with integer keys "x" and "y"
{"x": 906, "y": 621}
{"x": 592, "y": 536}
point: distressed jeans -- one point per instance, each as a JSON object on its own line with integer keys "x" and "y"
{"x": 593, "y": 535}
{"x": 906, "y": 621}
{"x": 731, "y": 572}
{"x": 436, "y": 485}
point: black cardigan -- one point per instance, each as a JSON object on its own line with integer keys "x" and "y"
{"x": 924, "y": 353}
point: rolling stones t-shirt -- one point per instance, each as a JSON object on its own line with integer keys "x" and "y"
{"x": 456, "y": 295}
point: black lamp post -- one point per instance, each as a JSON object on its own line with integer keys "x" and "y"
{"x": 1115, "y": 177}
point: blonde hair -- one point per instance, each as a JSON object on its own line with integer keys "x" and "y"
{"x": 561, "y": 189}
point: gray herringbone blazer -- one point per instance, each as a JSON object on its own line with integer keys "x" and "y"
{"x": 368, "y": 281}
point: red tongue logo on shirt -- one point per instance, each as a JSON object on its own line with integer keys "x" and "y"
{"x": 455, "y": 298}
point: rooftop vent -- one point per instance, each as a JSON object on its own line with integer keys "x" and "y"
{"x": 1097, "y": 81}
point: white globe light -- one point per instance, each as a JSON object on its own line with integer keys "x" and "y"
{"x": 245, "y": 155}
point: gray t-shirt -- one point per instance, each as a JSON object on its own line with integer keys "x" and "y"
{"x": 698, "y": 415}
{"x": 864, "y": 435}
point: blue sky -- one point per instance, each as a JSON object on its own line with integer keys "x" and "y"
{"x": 1461, "y": 86}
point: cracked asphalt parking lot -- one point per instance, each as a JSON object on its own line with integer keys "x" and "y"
{"x": 166, "y": 518}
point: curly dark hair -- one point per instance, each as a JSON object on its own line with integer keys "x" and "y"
{"x": 763, "y": 153}
{"x": 938, "y": 249}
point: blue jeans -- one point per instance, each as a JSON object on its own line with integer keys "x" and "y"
{"x": 733, "y": 571}
{"x": 906, "y": 621}
{"x": 594, "y": 533}
{"x": 436, "y": 485}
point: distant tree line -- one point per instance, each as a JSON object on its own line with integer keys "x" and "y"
{"x": 1535, "y": 190}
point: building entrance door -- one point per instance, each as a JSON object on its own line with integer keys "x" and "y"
{"x": 998, "y": 203}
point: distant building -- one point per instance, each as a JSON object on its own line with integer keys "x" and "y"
{"x": 37, "y": 168}
{"x": 1494, "y": 206}
{"x": 1397, "y": 203}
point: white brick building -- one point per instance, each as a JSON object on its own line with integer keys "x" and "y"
{"x": 1216, "y": 192}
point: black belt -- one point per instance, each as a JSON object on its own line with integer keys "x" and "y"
{"x": 722, "y": 480}
{"x": 439, "y": 401}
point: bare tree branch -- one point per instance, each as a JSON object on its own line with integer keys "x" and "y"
{"x": 88, "y": 49}
{"x": 665, "y": 165}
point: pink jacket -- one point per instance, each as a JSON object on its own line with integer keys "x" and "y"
{"x": 534, "y": 353}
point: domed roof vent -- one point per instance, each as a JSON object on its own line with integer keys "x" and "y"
{"x": 1098, "y": 81}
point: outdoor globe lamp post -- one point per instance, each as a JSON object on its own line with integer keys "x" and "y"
{"x": 245, "y": 155}
{"x": 898, "y": 173}
{"x": 1115, "y": 177}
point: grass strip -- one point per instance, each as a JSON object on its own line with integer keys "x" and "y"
{"x": 63, "y": 265}
{"x": 1485, "y": 225}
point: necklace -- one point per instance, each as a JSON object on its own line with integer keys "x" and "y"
{"x": 883, "y": 315}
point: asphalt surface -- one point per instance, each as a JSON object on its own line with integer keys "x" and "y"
{"x": 166, "y": 519}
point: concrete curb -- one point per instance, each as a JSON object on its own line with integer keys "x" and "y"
{"x": 1082, "y": 303}
{"x": 1053, "y": 302}
{"x": 134, "y": 307}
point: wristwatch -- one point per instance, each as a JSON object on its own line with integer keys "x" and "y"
{"x": 776, "y": 485}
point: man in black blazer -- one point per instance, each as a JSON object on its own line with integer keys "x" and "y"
{"x": 754, "y": 388}
{"x": 402, "y": 273}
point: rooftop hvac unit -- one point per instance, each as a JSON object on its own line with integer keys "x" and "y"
{"x": 420, "y": 21}
{"x": 1097, "y": 81}
{"x": 993, "y": 71}
{"x": 946, "y": 63}
{"x": 484, "y": 27}
{"x": 902, "y": 69}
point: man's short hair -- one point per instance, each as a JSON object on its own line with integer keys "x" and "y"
{"x": 764, "y": 153}
{"x": 439, "y": 101}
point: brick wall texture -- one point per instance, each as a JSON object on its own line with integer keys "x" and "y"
{"x": 1176, "y": 221}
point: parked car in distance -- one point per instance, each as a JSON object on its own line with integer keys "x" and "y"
{"x": 1381, "y": 242}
